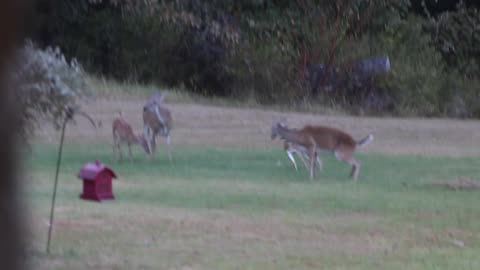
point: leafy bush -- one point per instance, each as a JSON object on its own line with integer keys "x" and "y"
{"x": 45, "y": 84}
{"x": 456, "y": 36}
{"x": 260, "y": 49}
{"x": 417, "y": 74}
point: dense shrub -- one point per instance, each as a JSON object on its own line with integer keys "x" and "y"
{"x": 260, "y": 49}
{"x": 456, "y": 35}
{"x": 44, "y": 85}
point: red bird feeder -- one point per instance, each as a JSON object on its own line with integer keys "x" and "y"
{"x": 97, "y": 182}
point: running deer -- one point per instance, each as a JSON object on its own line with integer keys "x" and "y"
{"x": 315, "y": 138}
{"x": 157, "y": 120}
{"x": 123, "y": 134}
{"x": 302, "y": 152}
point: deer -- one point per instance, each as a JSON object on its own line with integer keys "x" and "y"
{"x": 157, "y": 120}
{"x": 322, "y": 138}
{"x": 302, "y": 152}
{"x": 123, "y": 134}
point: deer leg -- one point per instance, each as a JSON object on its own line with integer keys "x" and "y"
{"x": 312, "y": 154}
{"x": 302, "y": 158}
{"x": 130, "y": 152}
{"x": 113, "y": 147}
{"x": 154, "y": 145}
{"x": 116, "y": 142}
{"x": 319, "y": 161}
{"x": 355, "y": 169}
{"x": 290, "y": 156}
{"x": 159, "y": 115}
{"x": 169, "y": 146}
{"x": 349, "y": 159}
{"x": 120, "y": 157}
{"x": 148, "y": 137}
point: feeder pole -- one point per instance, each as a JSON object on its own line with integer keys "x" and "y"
{"x": 68, "y": 116}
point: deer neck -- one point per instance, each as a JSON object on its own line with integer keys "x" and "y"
{"x": 290, "y": 135}
{"x": 133, "y": 139}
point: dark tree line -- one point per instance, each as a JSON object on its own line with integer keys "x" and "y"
{"x": 262, "y": 48}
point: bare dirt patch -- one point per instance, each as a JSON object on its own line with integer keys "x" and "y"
{"x": 201, "y": 125}
{"x": 460, "y": 183}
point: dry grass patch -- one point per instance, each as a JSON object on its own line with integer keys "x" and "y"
{"x": 461, "y": 183}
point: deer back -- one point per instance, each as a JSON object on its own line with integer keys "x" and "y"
{"x": 329, "y": 138}
{"x": 150, "y": 118}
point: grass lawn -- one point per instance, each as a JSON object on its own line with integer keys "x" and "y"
{"x": 249, "y": 209}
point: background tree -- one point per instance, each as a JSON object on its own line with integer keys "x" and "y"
{"x": 260, "y": 48}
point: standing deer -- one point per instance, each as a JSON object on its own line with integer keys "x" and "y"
{"x": 302, "y": 152}
{"x": 322, "y": 138}
{"x": 157, "y": 120}
{"x": 123, "y": 133}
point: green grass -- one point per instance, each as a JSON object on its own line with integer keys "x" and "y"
{"x": 247, "y": 209}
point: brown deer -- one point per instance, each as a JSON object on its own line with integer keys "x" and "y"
{"x": 302, "y": 152}
{"x": 315, "y": 138}
{"x": 123, "y": 134}
{"x": 157, "y": 120}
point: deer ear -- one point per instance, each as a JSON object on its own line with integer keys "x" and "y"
{"x": 157, "y": 97}
{"x": 280, "y": 120}
{"x": 277, "y": 119}
{"x": 162, "y": 97}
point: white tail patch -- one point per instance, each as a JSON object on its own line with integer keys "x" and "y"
{"x": 365, "y": 140}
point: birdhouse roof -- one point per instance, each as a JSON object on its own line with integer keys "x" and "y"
{"x": 91, "y": 170}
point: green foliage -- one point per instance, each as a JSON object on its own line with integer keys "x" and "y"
{"x": 44, "y": 85}
{"x": 244, "y": 49}
{"x": 417, "y": 70}
{"x": 456, "y": 36}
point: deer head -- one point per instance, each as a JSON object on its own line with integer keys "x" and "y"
{"x": 143, "y": 142}
{"x": 280, "y": 122}
{"x": 156, "y": 99}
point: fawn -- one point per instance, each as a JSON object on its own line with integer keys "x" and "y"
{"x": 293, "y": 148}
{"x": 123, "y": 134}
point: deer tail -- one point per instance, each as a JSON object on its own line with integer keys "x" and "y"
{"x": 365, "y": 140}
